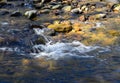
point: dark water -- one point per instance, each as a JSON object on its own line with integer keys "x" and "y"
{"x": 104, "y": 68}
{"x": 19, "y": 67}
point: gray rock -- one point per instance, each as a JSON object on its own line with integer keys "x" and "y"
{"x": 76, "y": 11}
{"x": 31, "y": 13}
{"x": 16, "y": 14}
{"x": 56, "y": 6}
{"x": 112, "y": 1}
{"x": 66, "y": 8}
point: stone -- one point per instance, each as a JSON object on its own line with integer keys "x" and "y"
{"x": 77, "y": 27}
{"x": 82, "y": 18}
{"x": 44, "y": 11}
{"x": 40, "y": 40}
{"x": 16, "y": 14}
{"x": 56, "y": 6}
{"x": 112, "y": 1}
{"x": 76, "y": 11}
{"x": 30, "y": 14}
{"x": 116, "y": 8}
{"x": 62, "y": 27}
{"x": 66, "y": 8}
{"x": 4, "y": 12}
{"x": 50, "y": 32}
{"x": 97, "y": 16}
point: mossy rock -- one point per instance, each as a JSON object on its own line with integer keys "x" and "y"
{"x": 61, "y": 27}
{"x": 41, "y": 40}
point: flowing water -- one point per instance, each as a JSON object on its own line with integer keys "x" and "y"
{"x": 23, "y": 61}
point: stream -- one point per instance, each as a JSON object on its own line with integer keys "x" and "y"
{"x": 22, "y": 60}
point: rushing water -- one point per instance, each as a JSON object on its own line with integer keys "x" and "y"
{"x": 53, "y": 62}
{"x": 65, "y": 62}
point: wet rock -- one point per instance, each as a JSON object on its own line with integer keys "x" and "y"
{"x": 45, "y": 11}
{"x": 85, "y": 8}
{"x": 4, "y": 12}
{"x": 57, "y": 12}
{"x": 2, "y": 40}
{"x": 82, "y": 18}
{"x": 50, "y": 32}
{"x": 66, "y": 8}
{"x": 97, "y": 16}
{"x": 38, "y": 5}
{"x": 77, "y": 27}
{"x": 40, "y": 40}
{"x": 76, "y": 11}
{"x": 56, "y": 7}
{"x": 2, "y": 4}
{"x": 112, "y": 1}
{"x": 16, "y": 14}
{"x": 36, "y": 26}
{"x": 116, "y": 8}
{"x": 6, "y": 5}
{"x": 114, "y": 32}
{"x": 61, "y": 27}
{"x": 30, "y": 14}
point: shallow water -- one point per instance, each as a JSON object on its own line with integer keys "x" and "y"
{"x": 58, "y": 62}
{"x": 62, "y": 63}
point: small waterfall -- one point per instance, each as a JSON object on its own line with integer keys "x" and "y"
{"x": 59, "y": 49}
{"x": 40, "y": 32}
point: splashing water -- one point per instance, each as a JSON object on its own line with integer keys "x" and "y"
{"x": 60, "y": 49}
{"x": 56, "y": 50}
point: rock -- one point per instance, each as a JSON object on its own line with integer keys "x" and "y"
{"x": 37, "y": 39}
{"x": 112, "y": 1}
{"x": 30, "y": 14}
{"x": 40, "y": 40}
{"x": 2, "y": 4}
{"x": 36, "y": 26}
{"x": 4, "y": 12}
{"x": 84, "y": 8}
{"x": 16, "y": 14}
{"x": 50, "y": 32}
{"x": 44, "y": 11}
{"x": 77, "y": 27}
{"x": 76, "y": 11}
{"x": 82, "y": 18}
{"x": 2, "y": 40}
{"x": 97, "y": 16}
{"x": 38, "y": 5}
{"x": 6, "y": 5}
{"x": 56, "y": 6}
{"x": 116, "y": 8}
{"x": 62, "y": 27}
{"x": 114, "y": 32}
{"x": 66, "y": 8}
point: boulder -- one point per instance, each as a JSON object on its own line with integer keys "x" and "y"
{"x": 61, "y": 27}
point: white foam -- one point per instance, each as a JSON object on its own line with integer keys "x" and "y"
{"x": 15, "y": 49}
{"x": 62, "y": 50}
{"x": 4, "y": 23}
{"x": 38, "y": 31}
